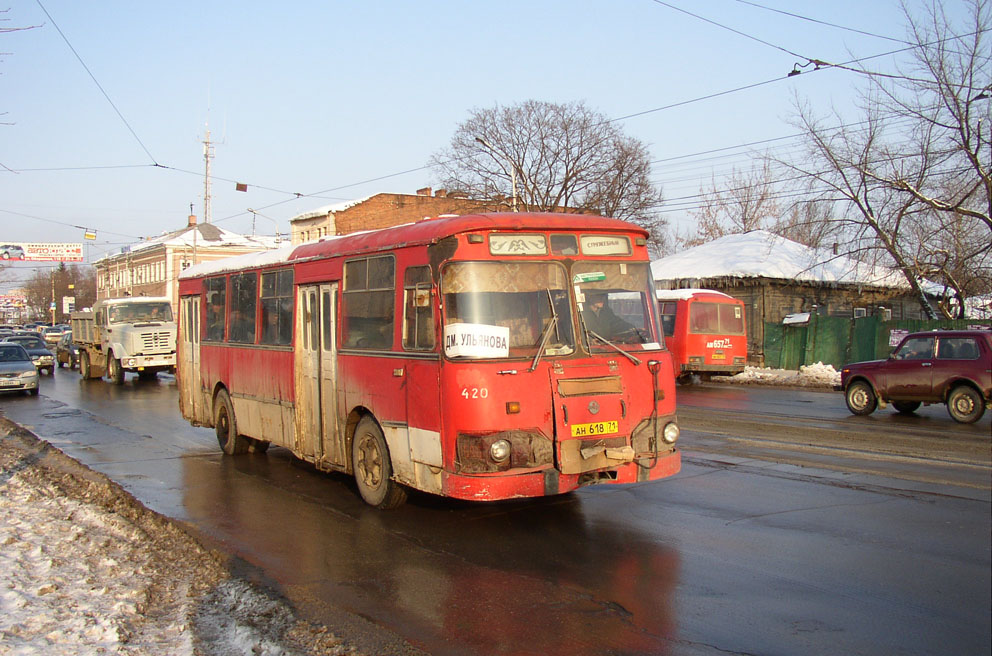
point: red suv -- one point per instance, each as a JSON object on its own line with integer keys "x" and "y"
{"x": 946, "y": 366}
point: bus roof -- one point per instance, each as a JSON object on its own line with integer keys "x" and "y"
{"x": 425, "y": 231}
{"x": 686, "y": 294}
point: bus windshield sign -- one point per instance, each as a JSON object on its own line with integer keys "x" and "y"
{"x": 514, "y": 244}
{"x": 475, "y": 340}
{"x": 604, "y": 245}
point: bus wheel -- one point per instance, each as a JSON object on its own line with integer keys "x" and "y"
{"x": 373, "y": 469}
{"x": 116, "y": 370}
{"x": 227, "y": 426}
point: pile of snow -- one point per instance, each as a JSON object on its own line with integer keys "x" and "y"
{"x": 87, "y": 569}
{"x": 812, "y": 375}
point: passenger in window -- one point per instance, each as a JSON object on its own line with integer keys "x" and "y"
{"x": 600, "y": 319}
{"x": 215, "y": 319}
{"x": 270, "y": 331}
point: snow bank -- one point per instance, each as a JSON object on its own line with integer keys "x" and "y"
{"x": 87, "y": 569}
{"x": 813, "y": 375}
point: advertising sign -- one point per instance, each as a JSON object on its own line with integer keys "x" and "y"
{"x": 40, "y": 252}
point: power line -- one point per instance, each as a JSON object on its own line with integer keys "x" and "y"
{"x": 820, "y": 22}
{"x": 96, "y": 82}
{"x": 730, "y": 29}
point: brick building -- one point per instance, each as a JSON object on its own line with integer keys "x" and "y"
{"x": 152, "y": 267}
{"x": 382, "y": 211}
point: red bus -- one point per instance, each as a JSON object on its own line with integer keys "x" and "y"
{"x": 704, "y": 329}
{"x": 475, "y": 357}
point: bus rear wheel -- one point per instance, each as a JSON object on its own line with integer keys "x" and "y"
{"x": 226, "y": 426}
{"x": 373, "y": 468}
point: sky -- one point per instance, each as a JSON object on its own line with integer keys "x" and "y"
{"x": 104, "y": 105}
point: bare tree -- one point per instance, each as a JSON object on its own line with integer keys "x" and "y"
{"x": 38, "y": 289}
{"x": 910, "y": 177}
{"x": 550, "y": 157}
{"x": 809, "y": 223}
{"x": 742, "y": 202}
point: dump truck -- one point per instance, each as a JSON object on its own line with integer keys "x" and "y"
{"x": 118, "y": 335}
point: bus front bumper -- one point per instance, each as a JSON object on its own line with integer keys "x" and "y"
{"x": 549, "y": 481}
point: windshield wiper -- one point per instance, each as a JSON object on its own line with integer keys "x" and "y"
{"x": 616, "y": 348}
{"x": 546, "y": 335}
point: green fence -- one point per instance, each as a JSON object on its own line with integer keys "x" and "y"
{"x": 838, "y": 340}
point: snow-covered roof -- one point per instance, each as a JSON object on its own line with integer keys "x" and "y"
{"x": 257, "y": 259}
{"x": 207, "y": 235}
{"x": 761, "y": 254}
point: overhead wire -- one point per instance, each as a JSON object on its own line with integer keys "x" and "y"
{"x": 97, "y": 83}
{"x": 821, "y": 65}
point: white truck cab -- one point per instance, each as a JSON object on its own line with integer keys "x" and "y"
{"x": 125, "y": 334}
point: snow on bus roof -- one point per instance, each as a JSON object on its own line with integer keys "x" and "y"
{"x": 685, "y": 294}
{"x": 425, "y": 229}
{"x": 237, "y": 262}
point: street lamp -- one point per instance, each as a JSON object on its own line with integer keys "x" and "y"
{"x": 513, "y": 168}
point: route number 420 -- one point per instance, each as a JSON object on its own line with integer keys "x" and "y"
{"x": 475, "y": 392}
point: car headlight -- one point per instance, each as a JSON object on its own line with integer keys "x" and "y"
{"x": 30, "y": 374}
{"x": 671, "y": 433}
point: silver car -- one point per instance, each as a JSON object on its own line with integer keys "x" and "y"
{"x": 17, "y": 370}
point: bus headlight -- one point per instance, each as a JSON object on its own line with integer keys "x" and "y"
{"x": 671, "y": 433}
{"x": 499, "y": 450}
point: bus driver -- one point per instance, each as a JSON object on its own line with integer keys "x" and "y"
{"x": 600, "y": 319}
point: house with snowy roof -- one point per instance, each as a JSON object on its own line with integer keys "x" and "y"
{"x": 152, "y": 267}
{"x": 777, "y": 277}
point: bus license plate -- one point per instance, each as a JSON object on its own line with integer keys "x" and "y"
{"x": 597, "y": 428}
{"x": 719, "y": 356}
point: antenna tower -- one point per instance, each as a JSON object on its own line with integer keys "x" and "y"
{"x": 208, "y": 154}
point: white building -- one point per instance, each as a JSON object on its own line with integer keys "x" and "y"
{"x": 152, "y": 267}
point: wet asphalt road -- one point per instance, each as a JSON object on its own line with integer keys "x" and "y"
{"x": 793, "y": 528}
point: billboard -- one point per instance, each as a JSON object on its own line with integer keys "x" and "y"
{"x": 40, "y": 252}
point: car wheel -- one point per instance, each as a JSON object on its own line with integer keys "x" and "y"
{"x": 906, "y": 407}
{"x": 33, "y": 392}
{"x": 965, "y": 405}
{"x": 860, "y": 398}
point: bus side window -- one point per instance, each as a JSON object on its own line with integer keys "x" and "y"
{"x": 216, "y": 308}
{"x": 668, "y": 317}
{"x": 418, "y": 319}
{"x": 368, "y": 303}
{"x": 244, "y": 292}
{"x": 277, "y": 308}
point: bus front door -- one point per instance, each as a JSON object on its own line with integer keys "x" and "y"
{"x": 194, "y": 405}
{"x": 317, "y": 436}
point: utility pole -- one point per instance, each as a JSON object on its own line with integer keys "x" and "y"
{"x": 208, "y": 154}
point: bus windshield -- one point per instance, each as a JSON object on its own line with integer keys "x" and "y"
{"x": 505, "y": 309}
{"x": 615, "y": 299}
{"x": 716, "y": 319}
